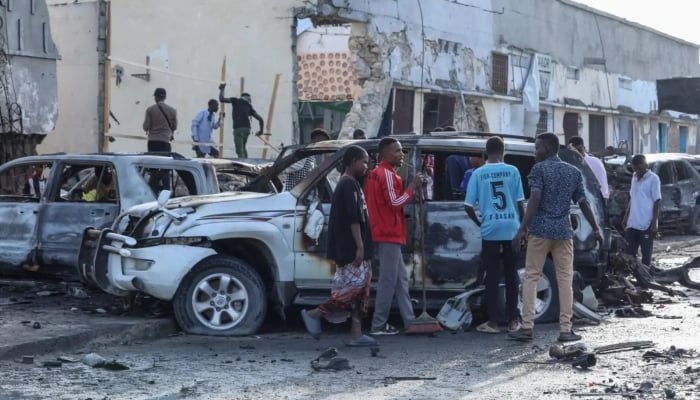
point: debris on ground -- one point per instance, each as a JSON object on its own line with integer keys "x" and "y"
{"x": 330, "y": 362}
{"x": 95, "y": 360}
{"x": 623, "y": 346}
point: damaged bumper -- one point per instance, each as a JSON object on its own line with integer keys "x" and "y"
{"x": 118, "y": 264}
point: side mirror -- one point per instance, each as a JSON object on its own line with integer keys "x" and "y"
{"x": 163, "y": 198}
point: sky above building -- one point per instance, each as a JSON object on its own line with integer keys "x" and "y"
{"x": 674, "y": 17}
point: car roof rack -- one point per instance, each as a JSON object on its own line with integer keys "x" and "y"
{"x": 453, "y": 134}
{"x": 173, "y": 155}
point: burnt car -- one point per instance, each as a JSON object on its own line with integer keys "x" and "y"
{"x": 225, "y": 259}
{"x": 47, "y": 201}
{"x": 680, "y": 190}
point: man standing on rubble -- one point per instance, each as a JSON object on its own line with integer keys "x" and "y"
{"x": 242, "y": 110}
{"x": 554, "y": 184}
{"x": 641, "y": 220}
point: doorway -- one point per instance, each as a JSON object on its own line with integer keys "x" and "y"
{"x": 570, "y": 126}
{"x": 596, "y": 133}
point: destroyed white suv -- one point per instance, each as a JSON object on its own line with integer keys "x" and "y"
{"x": 224, "y": 259}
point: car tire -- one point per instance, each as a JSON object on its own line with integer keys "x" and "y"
{"x": 547, "y": 303}
{"x": 221, "y": 296}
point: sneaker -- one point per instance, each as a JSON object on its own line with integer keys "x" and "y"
{"x": 488, "y": 327}
{"x": 568, "y": 336}
{"x": 514, "y": 326}
{"x": 387, "y": 329}
{"x": 523, "y": 335}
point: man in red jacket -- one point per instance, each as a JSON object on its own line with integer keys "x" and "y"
{"x": 385, "y": 201}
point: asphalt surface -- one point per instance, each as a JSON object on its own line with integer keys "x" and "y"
{"x": 464, "y": 365}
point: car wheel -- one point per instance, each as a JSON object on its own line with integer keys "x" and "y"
{"x": 547, "y": 300}
{"x": 221, "y": 296}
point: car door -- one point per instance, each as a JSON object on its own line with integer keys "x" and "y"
{"x": 686, "y": 185}
{"x": 20, "y": 207}
{"x": 452, "y": 240}
{"x": 83, "y": 194}
{"x": 670, "y": 193}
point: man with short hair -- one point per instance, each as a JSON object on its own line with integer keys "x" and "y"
{"x": 594, "y": 163}
{"x": 554, "y": 184}
{"x": 160, "y": 123}
{"x": 203, "y": 123}
{"x": 496, "y": 188}
{"x": 296, "y": 172}
{"x": 385, "y": 202}
{"x": 242, "y": 110}
{"x": 359, "y": 134}
{"x": 641, "y": 220}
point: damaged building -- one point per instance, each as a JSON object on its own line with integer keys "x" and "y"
{"x": 386, "y": 66}
{"x": 28, "y": 97}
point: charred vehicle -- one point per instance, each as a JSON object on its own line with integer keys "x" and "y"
{"x": 223, "y": 259}
{"x": 680, "y": 190}
{"x": 47, "y": 201}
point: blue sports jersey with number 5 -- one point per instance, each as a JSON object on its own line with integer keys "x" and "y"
{"x": 496, "y": 189}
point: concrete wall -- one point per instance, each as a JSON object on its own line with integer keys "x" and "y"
{"x": 29, "y": 79}
{"x": 630, "y": 49}
{"x": 324, "y": 39}
{"x": 75, "y": 31}
{"x": 257, "y": 38}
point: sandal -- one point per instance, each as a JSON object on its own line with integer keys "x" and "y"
{"x": 363, "y": 341}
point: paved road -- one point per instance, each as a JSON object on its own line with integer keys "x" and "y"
{"x": 465, "y": 365}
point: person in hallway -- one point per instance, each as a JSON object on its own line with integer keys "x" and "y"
{"x": 359, "y": 134}
{"x": 350, "y": 248}
{"x": 160, "y": 123}
{"x": 594, "y": 163}
{"x": 385, "y": 201}
{"x": 242, "y": 110}
{"x": 497, "y": 190}
{"x": 641, "y": 221}
{"x": 554, "y": 184}
{"x": 203, "y": 123}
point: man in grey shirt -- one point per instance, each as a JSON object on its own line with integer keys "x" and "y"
{"x": 160, "y": 123}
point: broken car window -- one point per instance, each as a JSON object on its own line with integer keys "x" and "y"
{"x": 87, "y": 183}
{"x": 180, "y": 182}
{"x": 666, "y": 173}
{"x": 28, "y": 181}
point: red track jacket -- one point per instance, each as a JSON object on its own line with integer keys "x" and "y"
{"x": 385, "y": 200}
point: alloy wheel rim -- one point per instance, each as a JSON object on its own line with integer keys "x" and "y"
{"x": 219, "y": 301}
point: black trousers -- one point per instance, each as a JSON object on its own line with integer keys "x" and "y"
{"x": 635, "y": 240}
{"x": 499, "y": 260}
{"x": 154, "y": 147}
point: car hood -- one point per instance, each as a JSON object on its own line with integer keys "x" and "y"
{"x": 195, "y": 201}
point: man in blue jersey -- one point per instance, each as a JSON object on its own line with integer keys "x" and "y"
{"x": 496, "y": 189}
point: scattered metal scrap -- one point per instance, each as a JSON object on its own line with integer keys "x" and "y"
{"x": 624, "y": 346}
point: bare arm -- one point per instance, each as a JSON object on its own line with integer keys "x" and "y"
{"x": 532, "y": 205}
{"x": 521, "y": 210}
{"x": 472, "y": 214}
{"x": 359, "y": 245}
{"x": 260, "y": 122}
{"x": 588, "y": 213}
{"x": 223, "y": 99}
{"x": 654, "y": 227}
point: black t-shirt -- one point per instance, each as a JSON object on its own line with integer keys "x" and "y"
{"x": 348, "y": 207}
{"x": 242, "y": 111}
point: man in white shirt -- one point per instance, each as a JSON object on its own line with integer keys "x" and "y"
{"x": 642, "y": 217}
{"x": 594, "y": 163}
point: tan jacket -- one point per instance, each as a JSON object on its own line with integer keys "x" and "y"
{"x": 156, "y": 126}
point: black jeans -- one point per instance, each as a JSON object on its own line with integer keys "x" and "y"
{"x": 635, "y": 240}
{"x": 498, "y": 259}
{"x": 154, "y": 146}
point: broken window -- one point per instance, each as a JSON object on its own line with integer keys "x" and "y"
{"x": 666, "y": 173}
{"x": 180, "y": 182}
{"x": 683, "y": 171}
{"x": 87, "y": 183}
{"x": 438, "y": 111}
{"x": 28, "y": 181}
{"x": 499, "y": 73}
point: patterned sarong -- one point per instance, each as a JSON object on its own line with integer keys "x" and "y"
{"x": 350, "y": 289}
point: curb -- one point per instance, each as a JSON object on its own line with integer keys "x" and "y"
{"x": 106, "y": 334}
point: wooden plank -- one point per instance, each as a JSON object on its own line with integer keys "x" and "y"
{"x": 222, "y": 113}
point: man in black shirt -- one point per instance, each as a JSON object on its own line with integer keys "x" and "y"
{"x": 241, "y": 112}
{"x": 350, "y": 247}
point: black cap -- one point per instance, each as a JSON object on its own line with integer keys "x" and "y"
{"x": 320, "y": 132}
{"x": 576, "y": 141}
{"x": 160, "y": 92}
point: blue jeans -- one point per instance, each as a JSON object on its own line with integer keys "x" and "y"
{"x": 635, "y": 240}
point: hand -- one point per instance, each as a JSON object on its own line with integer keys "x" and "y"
{"x": 359, "y": 256}
{"x": 515, "y": 243}
{"x": 222, "y": 86}
{"x": 597, "y": 236}
{"x": 653, "y": 228}
{"x": 258, "y": 133}
{"x": 417, "y": 180}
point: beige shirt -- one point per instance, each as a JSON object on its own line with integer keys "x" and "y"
{"x": 155, "y": 124}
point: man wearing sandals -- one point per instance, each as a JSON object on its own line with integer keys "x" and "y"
{"x": 350, "y": 247}
{"x": 497, "y": 190}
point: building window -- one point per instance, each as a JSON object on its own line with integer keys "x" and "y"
{"x": 542, "y": 124}
{"x": 625, "y": 83}
{"x": 573, "y": 73}
{"x": 438, "y": 111}
{"x": 663, "y": 138}
{"x": 499, "y": 73}
{"x": 402, "y": 116}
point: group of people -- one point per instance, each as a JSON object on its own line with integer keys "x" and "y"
{"x": 369, "y": 218}
{"x": 160, "y": 124}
